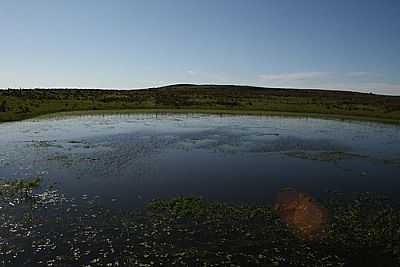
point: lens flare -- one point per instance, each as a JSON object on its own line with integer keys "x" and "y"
{"x": 301, "y": 212}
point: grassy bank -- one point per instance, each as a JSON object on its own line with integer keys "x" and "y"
{"x": 23, "y": 104}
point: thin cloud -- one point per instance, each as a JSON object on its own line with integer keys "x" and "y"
{"x": 191, "y": 72}
{"x": 358, "y": 74}
{"x": 293, "y": 76}
{"x": 356, "y": 81}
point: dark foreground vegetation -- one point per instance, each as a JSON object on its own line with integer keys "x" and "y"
{"x": 22, "y": 104}
{"x": 45, "y": 228}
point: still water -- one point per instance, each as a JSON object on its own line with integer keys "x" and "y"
{"x": 130, "y": 159}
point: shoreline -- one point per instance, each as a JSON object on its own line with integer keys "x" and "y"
{"x": 18, "y": 105}
{"x": 215, "y": 112}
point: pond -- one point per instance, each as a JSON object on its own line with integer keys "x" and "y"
{"x": 125, "y": 160}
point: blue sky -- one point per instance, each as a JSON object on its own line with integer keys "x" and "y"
{"x": 341, "y": 44}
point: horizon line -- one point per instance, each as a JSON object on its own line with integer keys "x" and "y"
{"x": 190, "y": 84}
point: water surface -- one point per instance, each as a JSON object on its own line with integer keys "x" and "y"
{"x": 127, "y": 159}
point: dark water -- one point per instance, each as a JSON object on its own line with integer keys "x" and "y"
{"x": 129, "y": 159}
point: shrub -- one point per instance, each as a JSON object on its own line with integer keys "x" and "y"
{"x": 3, "y": 106}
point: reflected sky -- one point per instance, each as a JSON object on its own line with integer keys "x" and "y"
{"x": 137, "y": 157}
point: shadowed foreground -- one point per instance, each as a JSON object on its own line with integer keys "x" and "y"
{"x": 46, "y": 228}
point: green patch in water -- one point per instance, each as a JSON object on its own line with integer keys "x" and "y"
{"x": 58, "y": 158}
{"x": 183, "y": 206}
{"x": 46, "y": 144}
{"x": 395, "y": 162}
{"x": 21, "y": 184}
{"x": 189, "y": 231}
{"x": 75, "y": 142}
{"x": 324, "y": 155}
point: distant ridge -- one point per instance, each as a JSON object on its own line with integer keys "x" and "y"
{"x": 19, "y": 104}
{"x": 208, "y": 86}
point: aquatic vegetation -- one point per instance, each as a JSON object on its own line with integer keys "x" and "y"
{"x": 46, "y": 144}
{"x": 43, "y": 227}
{"x": 58, "y": 157}
{"x": 75, "y": 142}
{"x": 184, "y": 206}
{"x": 15, "y": 192}
{"x": 324, "y": 155}
{"x": 186, "y": 231}
{"x": 249, "y": 235}
{"x": 20, "y": 184}
{"x": 293, "y": 144}
{"x": 395, "y": 162}
{"x": 366, "y": 229}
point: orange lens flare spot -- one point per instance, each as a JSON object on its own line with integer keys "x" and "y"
{"x": 301, "y": 212}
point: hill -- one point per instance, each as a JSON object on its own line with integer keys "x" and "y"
{"x": 27, "y": 103}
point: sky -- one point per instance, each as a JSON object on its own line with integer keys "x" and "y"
{"x": 340, "y": 44}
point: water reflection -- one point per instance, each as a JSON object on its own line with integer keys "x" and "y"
{"x": 228, "y": 158}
